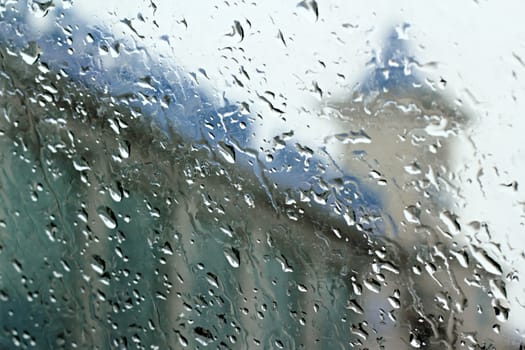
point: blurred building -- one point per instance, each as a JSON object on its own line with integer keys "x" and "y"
{"x": 135, "y": 214}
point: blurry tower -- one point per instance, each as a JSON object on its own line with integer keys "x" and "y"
{"x": 401, "y": 133}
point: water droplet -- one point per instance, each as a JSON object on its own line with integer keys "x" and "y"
{"x": 352, "y": 137}
{"x": 302, "y": 288}
{"x": 227, "y": 152}
{"x": 81, "y": 165}
{"x": 372, "y": 285}
{"x": 462, "y": 257}
{"x": 233, "y": 257}
{"x": 501, "y": 309}
{"x": 166, "y": 249}
{"x": 489, "y": 264}
{"x": 415, "y": 342}
{"x": 203, "y": 336}
{"x": 28, "y": 58}
{"x": 98, "y": 264}
{"x": 412, "y": 214}
{"x": 124, "y": 149}
{"x": 394, "y": 302}
{"x": 89, "y": 38}
{"x": 40, "y": 8}
{"x": 450, "y": 221}
{"x": 284, "y": 264}
{"x": 107, "y": 216}
{"x": 354, "y": 306}
{"x": 212, "y": 279}
{"x": 248, "y": 199}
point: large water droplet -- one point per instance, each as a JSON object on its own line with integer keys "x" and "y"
{"x": 233, "y": 257}
{"x": 107, "y": 216}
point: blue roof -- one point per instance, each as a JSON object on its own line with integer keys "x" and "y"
{"x": 393, "y": 68}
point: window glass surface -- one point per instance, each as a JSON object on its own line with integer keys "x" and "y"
{"x": 273, "y": 175}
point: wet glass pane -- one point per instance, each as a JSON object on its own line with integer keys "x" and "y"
{"x": 238, "y": 175}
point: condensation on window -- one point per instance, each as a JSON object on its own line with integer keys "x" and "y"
{"x": 273, "y": 175}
